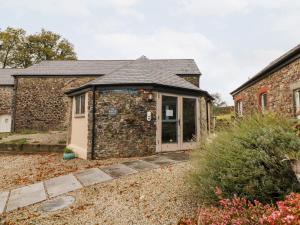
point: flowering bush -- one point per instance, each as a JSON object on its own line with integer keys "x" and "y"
{"x": 288, "y": 212}
{"x": 240, "y": 211}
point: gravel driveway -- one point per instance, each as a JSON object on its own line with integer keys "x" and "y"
{"x": 159, "y": 196}
{"x": 21, "y": 169}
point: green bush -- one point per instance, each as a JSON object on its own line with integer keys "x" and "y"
{"x": 247, "y": 160}
{"x": 68, "y": 150}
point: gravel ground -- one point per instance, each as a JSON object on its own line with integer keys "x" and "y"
{"x": 52, "y": 137}
{"x": 21, "y": 169}
{"x": 159, "y": 196}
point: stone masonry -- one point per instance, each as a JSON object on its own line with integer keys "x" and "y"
{"x": 279, "y": 87}
{"x": 6, "y": 96}
{"x": 41, "y": 103}
{"x": 194, "y": 79}
{"x": 122, "y": 129}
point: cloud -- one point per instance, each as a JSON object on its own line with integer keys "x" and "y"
{"x": 75, "y": 8}
{"x": 214, "y": 62}
{"x": 227, "y": 7}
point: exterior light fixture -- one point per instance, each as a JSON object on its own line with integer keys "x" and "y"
{"x": 150, "y": 97}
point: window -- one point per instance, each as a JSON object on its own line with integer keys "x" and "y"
{"x": 297, "y": 102}
{"x": 239, "y": 108}
{"x": 264, "y": 102}
{"x": 80, "y": 104}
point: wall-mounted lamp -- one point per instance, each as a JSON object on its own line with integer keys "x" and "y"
{"x": 150, "y": 97}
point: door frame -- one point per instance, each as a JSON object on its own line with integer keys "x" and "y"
{"x": 180, "y": 145}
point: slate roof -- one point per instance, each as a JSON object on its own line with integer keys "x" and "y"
{"x": 144, "y": 71}
{"x": 101, "y": 67}
{"x": 6, "y": 77}
{"x": 269, "y": 69}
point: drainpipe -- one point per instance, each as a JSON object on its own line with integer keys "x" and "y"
{"x": 94, "y": 121}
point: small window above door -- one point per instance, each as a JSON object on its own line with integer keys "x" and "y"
{"x": 80, "y": 105}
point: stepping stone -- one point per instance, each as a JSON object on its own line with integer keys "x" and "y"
{"x": 61, "y": 185}
{"x": 3, "y": 199}
{"x": 177, "y": 156}
{"x": 92, "y": 176}
{"x": 57, "y": 203}
{"x": 141, "y": 165}
{"x": 25, "y": 196}
{"x": 118, "y": 170}
{"x": 159, "y": 160}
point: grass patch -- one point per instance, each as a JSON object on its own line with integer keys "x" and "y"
{"x": 21, "y": 141}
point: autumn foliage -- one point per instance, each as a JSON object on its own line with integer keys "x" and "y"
{"x": 240, "y": 211}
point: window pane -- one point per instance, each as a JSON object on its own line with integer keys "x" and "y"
{"x": 82, "y": 104}
{"x": 169, "y": 119}
{"x": 77, "y": 105}
{"x": 189, "y": 119}
{"x": 264, "y": 102}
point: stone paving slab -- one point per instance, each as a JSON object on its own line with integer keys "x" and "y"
{"x": 25, "y": 196}
{"x": 61, "y": 185}
{"x": 177, "y": 156}
{"x": 159, "y": 160}
{"x": 58, "y": 203}
{"x": 3, "y": 199}
{"x": 140, "y": 165}
{"x": 92, "y": 176}
{"x": 118, "y": 170}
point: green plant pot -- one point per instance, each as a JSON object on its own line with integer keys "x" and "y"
{"x": 68, "y": 156}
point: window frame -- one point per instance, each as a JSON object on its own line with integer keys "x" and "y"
{"x": 79, "y": 105}
{"x": 239, "y": 105}
{"x": 263, "y": 102}
{"x": 296, "y": 96}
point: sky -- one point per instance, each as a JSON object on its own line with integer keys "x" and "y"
{"x": 230, "y": 40}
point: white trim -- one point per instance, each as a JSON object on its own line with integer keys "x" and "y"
{"x": 180, "y": 145}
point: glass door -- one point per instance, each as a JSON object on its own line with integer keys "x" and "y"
{"x": 189, "y": 123}
{"x": 177, "y": 123}
{"x": 170, "y": 138}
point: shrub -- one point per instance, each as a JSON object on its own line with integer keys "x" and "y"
{"x": 68, "y": 150}
{"x": 240, "y": 211}
{"x": 246, "y": 160}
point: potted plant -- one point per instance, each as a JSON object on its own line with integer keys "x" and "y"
{"x": 68, "y": 153}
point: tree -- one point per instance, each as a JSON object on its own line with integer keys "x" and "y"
{"x": 20, "y": 51}
{"x": 218, "y": 102}
{"x": 11, "y": 42}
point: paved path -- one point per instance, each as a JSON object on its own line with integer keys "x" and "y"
{"x": 34, "y": 193}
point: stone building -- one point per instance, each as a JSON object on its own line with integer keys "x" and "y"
{"x": 6, "y": 98}
{"x": 40, "y": 102}
{"x": 145, "y": 106}
{"x": 276, "y": 88}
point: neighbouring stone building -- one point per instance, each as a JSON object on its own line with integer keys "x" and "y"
{"x": 6, "y": 98}
{"x": 142, "y": 108}
{"x": 276, "y": 88}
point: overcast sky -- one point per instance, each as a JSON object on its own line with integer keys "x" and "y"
{"x": 230, "y": 40}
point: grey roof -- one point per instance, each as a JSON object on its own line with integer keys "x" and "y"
{"x": 269, "y": 69}
{"x": 6, "y": 77}
{"x": 101, "y": 67}
{"x": 144, "y": 71}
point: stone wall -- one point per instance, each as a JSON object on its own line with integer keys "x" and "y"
{"x": 194, "y": 79}
{"x": 41, "y": 103}
{"x": 122, "y": 129}
{"x": 6, "y": 97}
{"x": 279, "y": 87}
